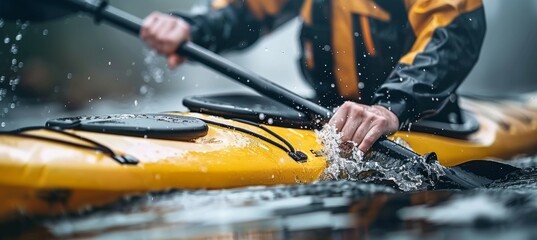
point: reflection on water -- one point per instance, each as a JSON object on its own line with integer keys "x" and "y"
{"x": 323, "y": 210}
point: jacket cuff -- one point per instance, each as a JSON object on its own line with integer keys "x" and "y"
{"x": 197, "y": 34}
{"x": 401, "y": 108}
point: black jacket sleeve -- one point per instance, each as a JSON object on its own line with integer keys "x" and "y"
{"x": 31, "y": 10}
{"x": 238, "y": 24}
{"x": 449, "y": 35}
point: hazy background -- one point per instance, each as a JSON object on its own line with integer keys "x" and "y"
{"x": 72, "y": 67}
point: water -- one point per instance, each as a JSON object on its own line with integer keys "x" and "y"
{"x": 323, "y": 210}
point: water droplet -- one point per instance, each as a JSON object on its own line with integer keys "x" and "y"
{"x": 147, "y": 78}
{"x": 270, "y": 121}
{"x": 356, "y": 34}
{"x": 183, "y": 78}
{"x": 45, "y": 32}
{"x": 12, "y": 105}
{"x": 25, "y": 25}
{"x": 361, "y": 85}
{"x": 332, "y": 85}
{"x": 69, "y": 75}
{"x": 6, "y": 40}
{"x": 109, "y": 63}
{"x": 18, "y": 37}
{"x": 143, "y": 89}
{"x": 14, "y": 49}
{"x": 266, "y": 49}
{"x": 21, "y": 64}
{"x": 136, "y": 103}
{"x": 261, "y": 116}
{"x": 3, "y": 124}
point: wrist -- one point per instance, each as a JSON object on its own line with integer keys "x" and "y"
{"x": 400, "y": 108}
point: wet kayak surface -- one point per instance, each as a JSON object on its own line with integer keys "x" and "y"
{"x": 506, "y": 209}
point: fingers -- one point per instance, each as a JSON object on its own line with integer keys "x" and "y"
{"x": 174, "y": 60}
{"x": 148, "y": 27}
{"x": 363, "y": 124}
{"x": 164, "y": 34}
{"x": 360, "y": 133}
{"x": 371, "y": 136}
{"x": 353, "y": 122}
{"x": 340, "y": 117}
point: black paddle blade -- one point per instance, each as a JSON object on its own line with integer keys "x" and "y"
{"x": 474, "y": 174}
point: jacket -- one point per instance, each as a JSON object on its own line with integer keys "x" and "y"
{"x": 406, "y": 55}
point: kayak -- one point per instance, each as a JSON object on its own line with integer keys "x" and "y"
{"x": 225, "y": 141}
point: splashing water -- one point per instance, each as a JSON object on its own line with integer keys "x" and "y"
{"x": 346, "y": 161}
{"x": 154, "y": 71}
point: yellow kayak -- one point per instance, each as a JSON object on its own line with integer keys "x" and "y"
{"x": 77, "y": 162}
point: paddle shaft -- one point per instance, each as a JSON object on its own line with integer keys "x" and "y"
{"x": 132, "y": 24}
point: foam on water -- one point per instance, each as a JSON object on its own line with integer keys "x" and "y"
{"x": 346, "y": 161}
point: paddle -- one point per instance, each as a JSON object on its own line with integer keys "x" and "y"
{"x": 463, "y": 175}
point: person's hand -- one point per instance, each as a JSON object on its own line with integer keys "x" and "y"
{"x": 364, "y": 124}
{"x": 164, "y": 34}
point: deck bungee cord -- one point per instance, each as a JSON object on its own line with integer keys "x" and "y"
{"x": 120, "y": 158}
{"x": 296, "y": 155}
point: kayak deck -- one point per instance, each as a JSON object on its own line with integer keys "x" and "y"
{"x": 506, "y": 129}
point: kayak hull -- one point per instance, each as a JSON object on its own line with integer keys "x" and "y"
{"x": 42, "y": 177}
{"x": 224, "y": 158}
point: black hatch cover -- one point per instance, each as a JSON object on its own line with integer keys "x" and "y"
{"x": 254, "y": 108}
{"x": 160, "y": 126}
